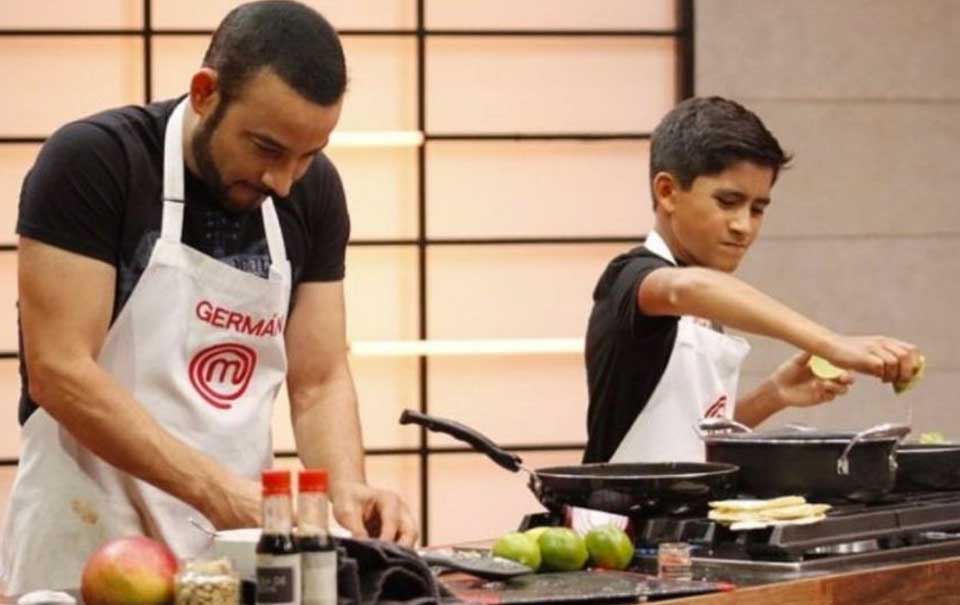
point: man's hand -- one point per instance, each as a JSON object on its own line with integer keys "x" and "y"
{"x": 237, "y": 504}
{"x": 888, "y": 359}
{"x": 794, "y": 385}
{"x": 370, "y": 512}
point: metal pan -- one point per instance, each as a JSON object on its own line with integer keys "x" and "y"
{"x": 636, "y": 490}
{"x": 832, "y": 466}
{"x": 924, "y": 467}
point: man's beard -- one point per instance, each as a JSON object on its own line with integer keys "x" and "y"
{"x": 203, "y": 155}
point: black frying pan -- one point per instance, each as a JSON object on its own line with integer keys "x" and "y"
{"x": 637, "y": 490}
{"x": 924, "y": 467}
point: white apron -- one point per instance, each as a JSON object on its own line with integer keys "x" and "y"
{"x": 700, "y": 380}
{"x": 200, "y": 345}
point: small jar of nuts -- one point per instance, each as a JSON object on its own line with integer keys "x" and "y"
{"x": 205, "y": 582}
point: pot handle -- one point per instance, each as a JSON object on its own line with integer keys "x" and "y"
{"x": 875, "y": 432}
{"x": 478, "y": 441}
{"x": 705, "y": 427}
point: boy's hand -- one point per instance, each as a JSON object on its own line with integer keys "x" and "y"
{"x": 888, "y": 359}
{"x": 796, "y": 386}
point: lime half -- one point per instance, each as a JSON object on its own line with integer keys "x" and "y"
{"x": 902, "y": 387}
{"x": 822, "y": 368}
{"x": 932, "y": 438}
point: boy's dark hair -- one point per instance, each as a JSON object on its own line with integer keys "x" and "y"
{"x": 293, "y": 40}
{"x": 707, "y": 135}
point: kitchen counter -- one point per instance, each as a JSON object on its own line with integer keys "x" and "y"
{"x": 935, "y": 581}
{"x": 931, "y": 582}
{"x": 928, "y": 582}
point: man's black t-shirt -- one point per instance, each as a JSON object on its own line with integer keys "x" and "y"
{"x": 626, "y": 352}
{"x": 97, "y": 186}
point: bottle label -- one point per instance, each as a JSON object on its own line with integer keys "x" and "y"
{"x": 320, "y": 578}
{"x": 278, "y": 579}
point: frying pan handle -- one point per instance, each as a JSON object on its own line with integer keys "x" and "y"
{"x": 478, "y": 441}
{"x": 705, "y": 427}
{"x": 881, "y": 431}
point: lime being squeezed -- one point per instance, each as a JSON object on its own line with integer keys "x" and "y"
{"x": 822, "y": 368}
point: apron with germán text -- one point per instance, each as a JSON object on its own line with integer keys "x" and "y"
{"x": 200, "y": 346}
{"x": 700, "y": 380}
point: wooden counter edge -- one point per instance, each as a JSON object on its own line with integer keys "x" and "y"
{"x": 927, "y": 582}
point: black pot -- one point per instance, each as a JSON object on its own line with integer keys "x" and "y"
{"x": 924, "y": 467}
{"x": 818, "y": 465}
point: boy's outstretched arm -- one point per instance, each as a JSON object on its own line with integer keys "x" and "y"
{"x": 722, "y": 297}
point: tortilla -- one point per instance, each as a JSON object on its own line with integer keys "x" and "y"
{"x": 745, "y": 525}
{"x": 756, "y": 505}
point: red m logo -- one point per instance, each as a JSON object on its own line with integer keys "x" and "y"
{"x": 221, "y": 373}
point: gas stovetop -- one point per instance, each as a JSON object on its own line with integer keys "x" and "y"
{"x": 900, "y": 529}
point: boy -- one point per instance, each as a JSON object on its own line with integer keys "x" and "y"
{"x": 657, "y": 358}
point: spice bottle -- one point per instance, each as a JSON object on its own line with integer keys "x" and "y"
{"x": 278, "y": 559}
{"x": 318, "y": 553}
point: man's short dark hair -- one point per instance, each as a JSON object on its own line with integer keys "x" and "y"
{"x": 705, "y": 136}
{"x": 291, "y": 39}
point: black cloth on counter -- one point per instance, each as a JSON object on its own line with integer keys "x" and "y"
{"x": 373, "y": 572}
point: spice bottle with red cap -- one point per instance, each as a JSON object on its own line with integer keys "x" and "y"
{"x": 278, "y": 558}
{"x": 318, "y": 553}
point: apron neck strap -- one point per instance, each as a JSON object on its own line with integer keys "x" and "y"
{"x": 271, "y": 227}
{"x": 656, "y": 244}
{"x": 173, "y": 192}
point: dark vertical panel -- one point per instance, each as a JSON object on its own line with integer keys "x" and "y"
{"x": 423, "y": 365}
{"x": 147, "y": 52}
{"x": 685, "y": 50}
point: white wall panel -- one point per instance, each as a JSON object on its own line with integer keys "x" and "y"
{"x": 381, "y": 293}
{"x": 556, "y": 14}
{"x": 8, "y": 301}
{"x": 381, "y": 188}
{"x": 531, "y": 189}
{"x": 48, "y": 80}
{"x": 471, "y": 498}
{"x": 69, "y": 14}
{"x": 385, "y": 387}
{"x": 15, "y": 161}
{"x": 343, "y": 14}
{"x": 548, "y": 85}
{"x": 9, "y": 406}
{"x": 525, "y": 399}
{"x": 513, "y": 291}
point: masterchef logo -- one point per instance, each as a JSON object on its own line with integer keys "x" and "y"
{"x": 221, "y": 373}
{"x": 717, "y": 408}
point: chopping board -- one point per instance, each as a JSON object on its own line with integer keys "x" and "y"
{"x": 593, "y": 586}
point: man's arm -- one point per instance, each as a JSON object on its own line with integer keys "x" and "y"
{"x": 324, "y": 414}
{"x": 66, "y": 301}
{"x": 722, "y": 297}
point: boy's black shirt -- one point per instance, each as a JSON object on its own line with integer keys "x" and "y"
{"x": 626, "y": 352}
